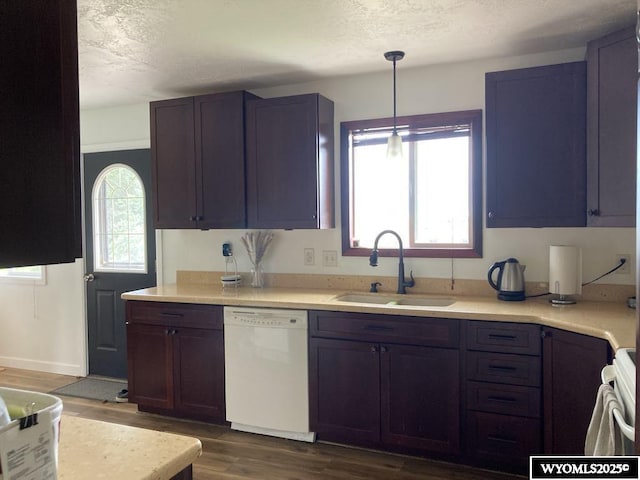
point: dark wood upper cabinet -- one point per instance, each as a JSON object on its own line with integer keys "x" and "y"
{"x": 290, "y": 162}
{"x": 39, "y": 133}
{"x": 197, "y": 151}
{"x": 536, "y": 146}
{"x": 611, "y": 130}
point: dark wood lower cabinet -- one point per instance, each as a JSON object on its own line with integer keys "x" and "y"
{"x": 571, "y": 378}
{"x": 382, "y": 394}
{"x": 199, "y": 373}
{"x": 503, "y": 425}
{"x": 489, "y": 394}
{"x": 345, "y": 391}
{"x": 176, "y": 359}
{"x": 420, "y": 398}
{"x": 150, "y": 362}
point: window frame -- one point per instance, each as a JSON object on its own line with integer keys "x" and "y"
{"x": 471, "y": 117}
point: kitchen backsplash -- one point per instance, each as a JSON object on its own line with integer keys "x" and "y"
{"x": 425, "y": 286}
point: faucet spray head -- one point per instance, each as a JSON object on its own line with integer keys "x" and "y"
{"x": 373, "y": 258}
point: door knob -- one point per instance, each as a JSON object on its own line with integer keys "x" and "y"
{"x": 89, "y": 277}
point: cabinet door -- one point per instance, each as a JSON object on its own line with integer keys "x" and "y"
{"x": 611, "y": 134}
{"x": 421, "y": 398}
{"x": 39, "y": 133}
{"x": 344, "y": 391}
{"x": 571, "y": 377}
{"x": 290, "y": 162}
{"x": 173, "y": 162}
{"x": 199, "y": 373}
{"x": 150, "y": 371}
{"x": 220, "y": 163}
{"x": 536, "y": 159}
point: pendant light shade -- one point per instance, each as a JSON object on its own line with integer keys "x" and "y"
{"x": 394, "y": 144}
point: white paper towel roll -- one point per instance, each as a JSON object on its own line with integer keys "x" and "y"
{"x": 565, "y": 270}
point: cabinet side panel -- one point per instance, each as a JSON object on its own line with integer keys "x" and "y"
{"x": 39, "y": 132}
{"x": 326, "y": 164}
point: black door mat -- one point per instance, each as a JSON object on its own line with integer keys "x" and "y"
{"x": 93, "y": 388}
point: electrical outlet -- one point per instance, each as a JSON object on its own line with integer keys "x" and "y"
{"x": 329, "y": 258}
{"x": 309, "y": 256}
{"x": 226, "y": 249}
{"x": 626, "y": 268}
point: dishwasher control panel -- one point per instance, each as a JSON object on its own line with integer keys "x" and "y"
{"x": 265, "y": 317}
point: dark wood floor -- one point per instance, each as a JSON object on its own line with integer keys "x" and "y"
{"x": 228, "y": 454}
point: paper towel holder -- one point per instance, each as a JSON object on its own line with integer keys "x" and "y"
{"x": 565, "y": 274}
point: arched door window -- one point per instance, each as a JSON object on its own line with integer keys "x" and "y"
{"x": 119, "y": 222}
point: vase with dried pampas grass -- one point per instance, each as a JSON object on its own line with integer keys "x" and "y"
{"x": 257, "y": 244}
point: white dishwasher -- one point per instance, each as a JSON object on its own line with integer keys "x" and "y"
{"x": 266, "y": 371}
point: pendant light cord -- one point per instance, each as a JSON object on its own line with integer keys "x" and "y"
{"x": 395, "y": 131}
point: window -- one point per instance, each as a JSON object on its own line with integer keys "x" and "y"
{"x": 119, "y": 231}
{"x": 35, "y": 275}
{"x": 432, "y": 198}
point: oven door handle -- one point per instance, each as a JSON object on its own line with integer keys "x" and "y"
{"x": 608, "y": 374}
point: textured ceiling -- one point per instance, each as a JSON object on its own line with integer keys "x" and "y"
{"x": 134, "y": 51}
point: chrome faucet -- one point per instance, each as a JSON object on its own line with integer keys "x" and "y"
{"x": 373, "y": 261}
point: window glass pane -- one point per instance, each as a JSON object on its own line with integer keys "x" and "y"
{"x": 34, "y": 275}
{"x": 442, "y": 191}
{"x": 380, "y": 196}
{"x": 119, "y": 221}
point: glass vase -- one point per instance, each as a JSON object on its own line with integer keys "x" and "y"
{"x": 257, "y": 276}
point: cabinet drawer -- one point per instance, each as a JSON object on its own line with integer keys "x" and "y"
{"x": 504, "y": 399}
{"x": 503, "y": 439}
{"x": 436, "y": 332}
{"x": 504, "y": 368}
{"x": 175, "y": 314}
{"x": 504, "y": 337}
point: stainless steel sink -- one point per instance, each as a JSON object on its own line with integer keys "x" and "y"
{"x": 395, "y": 300}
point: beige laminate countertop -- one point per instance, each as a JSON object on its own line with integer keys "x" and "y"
{"x": 612, "y": 321}
{"x": 94, "y": 449}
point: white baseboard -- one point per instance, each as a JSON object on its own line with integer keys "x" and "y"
{"x": 43, "y": 366}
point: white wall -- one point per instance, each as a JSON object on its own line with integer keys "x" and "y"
{"x": 424, "y": 90}
{"x": 43, "y": 326}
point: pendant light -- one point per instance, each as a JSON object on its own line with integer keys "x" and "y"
{"x": 394, "y": 144}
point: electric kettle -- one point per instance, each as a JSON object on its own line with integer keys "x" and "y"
{"x": 510, "y": 284}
